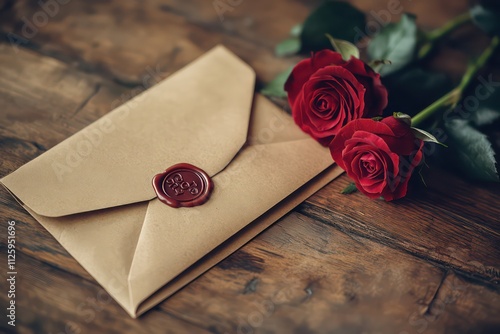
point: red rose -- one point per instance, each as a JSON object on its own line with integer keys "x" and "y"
{"x": 327, "y": 92}
{"x": 379, "y": 156}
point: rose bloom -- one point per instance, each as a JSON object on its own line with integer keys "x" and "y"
{"x": 326, "y": 92}
{"x": 379, "y": 156}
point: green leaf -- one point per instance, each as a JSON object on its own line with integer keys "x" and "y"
{"x": 377, "y": 64}
{"x": 396, "y": 42}
{"x": 402, "y": 117}
{"x": 276, "y": 87}
{"x": 487, "y": 17}
{"x": 288, "y": 47}
{"x": 488, "y": 111}
{"x": 472, "y": 150}
{"x": 426, "y": 136}
{"x": 485, "y": 116}
{"x": 345, "y": 48}
{"x": 291, "y": 45}
{"x": 351, "y": 188}
{"x": 337, "y": 18}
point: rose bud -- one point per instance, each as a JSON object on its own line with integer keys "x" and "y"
{"x": 327, "y": 92}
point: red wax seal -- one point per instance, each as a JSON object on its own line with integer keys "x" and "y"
{"x": 183, "y": 185}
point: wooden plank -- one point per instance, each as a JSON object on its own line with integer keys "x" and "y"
{"x": 50, "y": 104}
{"x": 299, "y": 275}
{"x": 264, "y": 23}
{"x": 44, "y": 100}
{"x": 455, "y": 298}
{"x": 429, "y": 14}
{"x": 140, "y": 35}
{"x": 288, "y": 278}
{"x": 207, "y": 17}
{"x": 452, "y": 222}
{"x": 304, "y": 276}
{"x": 251, "y": 28}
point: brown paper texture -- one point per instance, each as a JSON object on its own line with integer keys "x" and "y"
{"x": 93, "y": 191}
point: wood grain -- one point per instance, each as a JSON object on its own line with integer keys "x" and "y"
{"x": 437, "y": 224}
{"x": 270, "y": 282}
{"x": 339, "y": 264}
{"x": 154, "y": 35}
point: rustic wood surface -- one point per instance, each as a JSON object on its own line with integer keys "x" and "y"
{"x": 429, "y": 263}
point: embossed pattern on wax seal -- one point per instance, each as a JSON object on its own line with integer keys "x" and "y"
{"x": 183, "y": 185}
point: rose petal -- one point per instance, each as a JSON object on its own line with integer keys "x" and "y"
{"x": 305, "y": 68}
{"x": 345, "y": 89}
{"x": 346, "y": 133}
{"x": 376, "y": 97}
{"x": 361, "y": 143}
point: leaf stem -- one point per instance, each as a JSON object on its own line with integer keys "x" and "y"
{"x": 473, "y": 68}
{"x": 448, "y": 98}
{"x": 435, "y": 35}
{"x": 448, "y": 27}
{"x": 452, "y": 97}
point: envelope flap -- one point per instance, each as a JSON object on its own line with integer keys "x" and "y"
{"x": 199, "y": 115}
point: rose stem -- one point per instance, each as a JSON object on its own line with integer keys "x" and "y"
{"x": 435, "y": 35}
{"x": 454, "y": 96}
{"x": 483, "y": 59}
{"x": 448, "y": 98}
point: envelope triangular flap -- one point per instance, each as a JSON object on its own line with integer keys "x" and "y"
{"x": 199, "y": 115}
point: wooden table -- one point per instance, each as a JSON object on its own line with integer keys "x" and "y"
{"x": 429, "y": 263}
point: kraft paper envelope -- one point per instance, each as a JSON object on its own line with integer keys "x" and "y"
{"x": 93, "y": 192}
